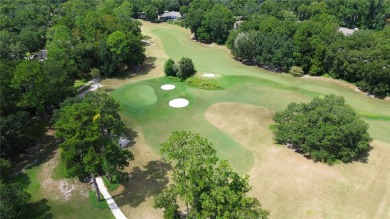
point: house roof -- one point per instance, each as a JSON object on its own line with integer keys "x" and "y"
{"x": 347, "y": 31}
{"x": 171, "y": 14}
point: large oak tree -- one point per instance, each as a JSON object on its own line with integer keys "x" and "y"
{"x": 326, "y": 129}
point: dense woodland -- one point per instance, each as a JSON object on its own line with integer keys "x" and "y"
{"x": 79, "y": 36}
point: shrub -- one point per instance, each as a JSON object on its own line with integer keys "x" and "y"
{"x": 296, "y": 71}
{"x": 186, "y": 68}
{"x": 325, "y": 130}
{"x": 203, "y": 84}
{"x": 169, "y": 68}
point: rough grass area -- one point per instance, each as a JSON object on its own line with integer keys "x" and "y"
{"x": 102, "y": 204}
{"x": 292, "y": 186}
{"x": 203, "y": 84}
{"x": 111, "y": 186}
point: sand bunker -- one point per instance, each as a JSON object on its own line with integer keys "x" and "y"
{"x": 178, "y": 103}
{"x": 168, "y": 87}
{"x": 209, "y": 75}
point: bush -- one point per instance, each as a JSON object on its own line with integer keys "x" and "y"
{"x": 296, "y": 71}
{"x": 169, "y": 68}
{"x": 325, "y": 129}
{"x": 186, "y": 68}
{"x": 203, "y": 84}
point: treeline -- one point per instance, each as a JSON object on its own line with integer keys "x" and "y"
{"x": 279, "y": 35}
{"x": 45, "y": 46}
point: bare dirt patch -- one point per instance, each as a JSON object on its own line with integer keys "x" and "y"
{"x": 291, "y": 186}
{"x": 62, "y": 189}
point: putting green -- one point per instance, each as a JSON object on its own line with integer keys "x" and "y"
{"x": 138, "y": 95}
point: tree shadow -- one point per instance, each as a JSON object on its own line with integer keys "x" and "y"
{"x": 39, "y": 209}
{"x": 131, "y": 134}
{"x": 149, "y": 64}
{"x": 363, "y": 157}
{"x": 43, "y": 151}
{"x": 144, "y": 183}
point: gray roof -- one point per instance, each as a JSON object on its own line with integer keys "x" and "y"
{"x": 347, "y": 31}
{"x": 171, "y": 14}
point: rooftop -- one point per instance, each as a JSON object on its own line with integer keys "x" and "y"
{"x": 347, "y": 31}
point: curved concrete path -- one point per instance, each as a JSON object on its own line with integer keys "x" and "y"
{"x": 110, "y": 201}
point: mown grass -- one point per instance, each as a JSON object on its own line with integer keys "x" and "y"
{"x": 59, "y": 171}
{"x": 78, "y": 83}
{"x": 111, "y": 186}
{"x": 102, "y": 204}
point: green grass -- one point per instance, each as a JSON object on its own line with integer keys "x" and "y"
{"x": 203, "y": 84}
{"x": 111, "y": 186}
{"x": 78, "y": 83}
{"x": 147, "y": 104}
{"x": 102, "y": 204}
{"x": 140, "y": 95}
{"x": 59, "y": 171}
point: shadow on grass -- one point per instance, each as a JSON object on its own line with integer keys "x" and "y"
{"x": 144, "y": 69}
{"x": 131, "y": 134}
{"x": 39, "y": 209}
{"x": 144, "y": 183}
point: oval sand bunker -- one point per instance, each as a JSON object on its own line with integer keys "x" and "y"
{"x": 209, "y": 75}
{"x": 168, "y": 87}
{"x": 178, "y": 103}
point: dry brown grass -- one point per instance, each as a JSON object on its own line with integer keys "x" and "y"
{"x": 148, "y": 177}
{"x": 291, "y": 186}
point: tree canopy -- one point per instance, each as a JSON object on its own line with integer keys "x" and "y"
{"x": 326, "y": 129}
{"x": 209, "y": 186}
{"x": 90, "y": 128}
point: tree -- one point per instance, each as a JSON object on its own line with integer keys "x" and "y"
{"x": 90, "y": 128}
{"x": 210, "y": 187}
{"x": 13, "y": 137}
{"x": 325, "y": 129}
{"x": 218, "y": 22}
{"x": 13, "y": 200}
{"x": 169, "y": 68}
{"x": 32, "y": 81}
{"x": 95, "y": 73}
{"x": 187, "y": 68}
{"x": 151, "y": 13}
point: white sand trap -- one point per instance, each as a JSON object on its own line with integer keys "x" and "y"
{"x": 178, "y": 103}
{"x": 209, "y": 75}
{"x": 168, "y": 87}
